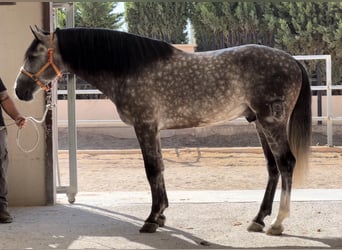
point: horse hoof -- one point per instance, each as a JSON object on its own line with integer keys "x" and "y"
{"x": 149, "y": 227}
{"x": 161, "y": 220}
{"x": 275, "y": 230}
{"x": 255, "y": 227}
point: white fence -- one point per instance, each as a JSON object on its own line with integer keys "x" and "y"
{"x": 329, "y": 118}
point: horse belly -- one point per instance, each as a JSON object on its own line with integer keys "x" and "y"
{"x": 188, "y": 117}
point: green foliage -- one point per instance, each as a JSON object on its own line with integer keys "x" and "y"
{"x": 296, "y": 27}
{"x": 97, "y": 15}
{"x": 225, "y": 24}
{"x": 311, "y": 28}
{"x": 61, "y": 18}
{"x": 161, "y": 20}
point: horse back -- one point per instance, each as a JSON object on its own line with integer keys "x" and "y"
{"x": 197, "y": 89}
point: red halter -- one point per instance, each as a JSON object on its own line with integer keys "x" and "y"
{"x": 35, "y": 76}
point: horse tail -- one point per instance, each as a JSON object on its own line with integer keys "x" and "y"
{"x": 299, "y": 128}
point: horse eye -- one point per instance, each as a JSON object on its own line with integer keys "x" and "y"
{"x": 31, "y": 57}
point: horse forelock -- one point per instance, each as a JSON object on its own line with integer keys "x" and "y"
{"x": 104, "y": 50}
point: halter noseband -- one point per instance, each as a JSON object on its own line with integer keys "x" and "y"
{"x": 35, "y": 76}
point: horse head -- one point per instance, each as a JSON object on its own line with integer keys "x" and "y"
{"x": 40, "y": 65}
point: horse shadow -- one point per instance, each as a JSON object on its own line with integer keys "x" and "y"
{"x": 80, "y": 226}
{"x": 333, "y": 242}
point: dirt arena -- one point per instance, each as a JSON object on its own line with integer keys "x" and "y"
{"x": 192, "y": 161}
{"x": 107, "y": 164}
{"x": 192, "y": 169}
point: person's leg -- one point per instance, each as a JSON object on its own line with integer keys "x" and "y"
{"x": 5, "y": 217}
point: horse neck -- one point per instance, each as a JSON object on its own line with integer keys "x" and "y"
{"x": 104, "y": 82}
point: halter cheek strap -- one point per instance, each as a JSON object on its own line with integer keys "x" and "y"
{"x": 35, "y": 76}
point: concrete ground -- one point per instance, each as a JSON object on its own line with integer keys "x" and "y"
{"x": 195, "y": 219}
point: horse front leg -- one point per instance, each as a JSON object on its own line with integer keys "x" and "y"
{"x": 148, "y": 137}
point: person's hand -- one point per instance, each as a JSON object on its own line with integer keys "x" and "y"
{"x": 20, "y": 121}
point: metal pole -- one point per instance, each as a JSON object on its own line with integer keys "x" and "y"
{"x": 51, "y": 135}
{"x": 329, "y": 97}
{"x": 328, "y": 88}
{"x": 72, "y": 133}
{"x": 319, "y": 93}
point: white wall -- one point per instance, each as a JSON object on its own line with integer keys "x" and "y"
{"x": 26, "y": 171}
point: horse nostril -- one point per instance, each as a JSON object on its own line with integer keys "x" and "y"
{"x": 23, "y": 95}
{"x": 17, "y": 93}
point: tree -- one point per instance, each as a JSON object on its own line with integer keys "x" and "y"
{"x": 311, "y": 28}
{"x": 161, "y": 20}
{"x": 97, "y": 15}
{"x": 208, "y": 21}
{"x": 226, "y": 24}
{"x": 296, "y": 27}
{"x": 60, "y": 18}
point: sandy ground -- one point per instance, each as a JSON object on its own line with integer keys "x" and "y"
{"x": 99, "y": 220}
{"x": 87, "y": 225}
{"x": 193, "y": 169}
{"x": 192, "y": 161}
{"x": 108, "y": 224}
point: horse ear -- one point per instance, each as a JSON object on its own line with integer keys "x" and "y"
{"x": 37, "y": 34}
{"x": 33, "y": 32}
{"x": 37, "y": 28}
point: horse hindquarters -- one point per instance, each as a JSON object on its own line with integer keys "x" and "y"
{"x": 285, "y": 147}
{"x": 299, "y": 136}
{"x": 149, "y": 140}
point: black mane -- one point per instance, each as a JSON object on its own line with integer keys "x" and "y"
{"x": 104, "y": 50}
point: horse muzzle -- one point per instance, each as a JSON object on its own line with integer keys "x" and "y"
{"x": 24, "y": 96}
{"x": 24, "y": 89}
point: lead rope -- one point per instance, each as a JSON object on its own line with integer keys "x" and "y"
{"x": 34, "y": 122}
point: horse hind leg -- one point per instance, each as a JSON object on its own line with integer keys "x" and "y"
{"x": 276, "y": 227}
{"x": 258, "y": 224}
{"x": 148, "y": 137}
{"x": 276, "y": 137}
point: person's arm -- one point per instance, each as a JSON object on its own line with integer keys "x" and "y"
{"x": 9, "y": 107}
